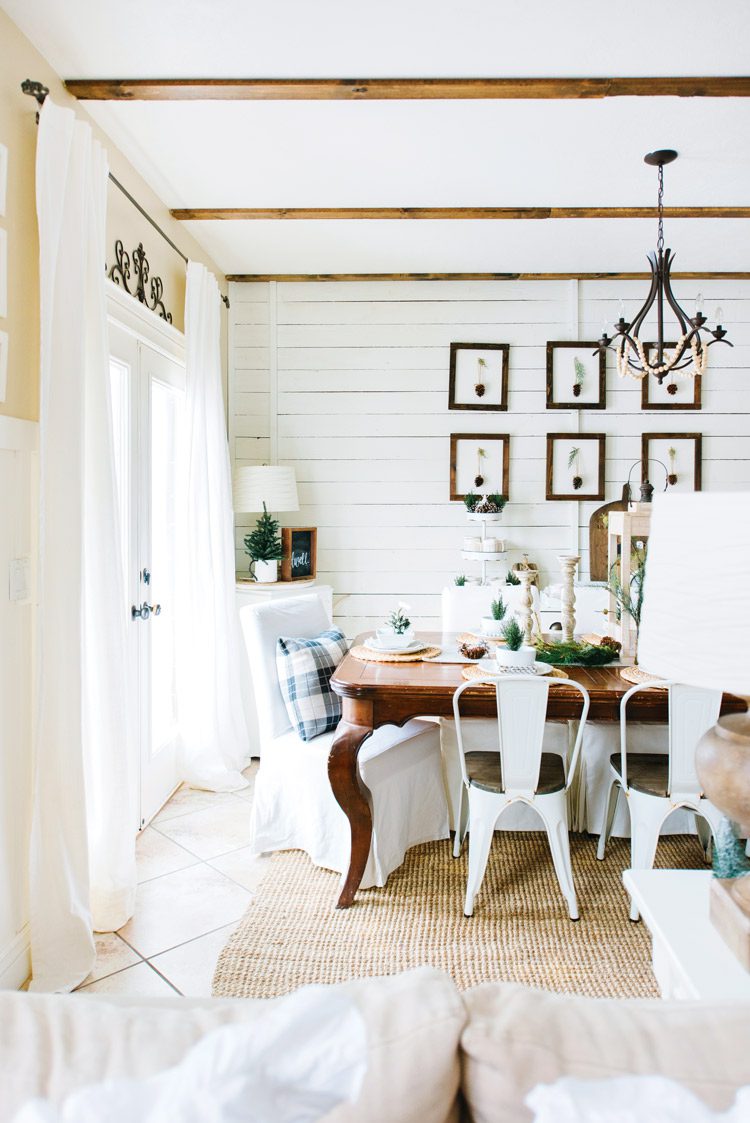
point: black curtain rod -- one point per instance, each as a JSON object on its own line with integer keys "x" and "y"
{"x": 39, "y": 92}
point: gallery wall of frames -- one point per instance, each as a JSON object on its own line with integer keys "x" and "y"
{"x": 391, "y": 398}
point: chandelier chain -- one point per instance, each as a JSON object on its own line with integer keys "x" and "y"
{"x": 660, "y": 238}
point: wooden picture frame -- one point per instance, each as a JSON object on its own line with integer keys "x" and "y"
{"x": 654, "y": 396}
{"x": 463, "y": 455}
{"x": 681, "y": 442}
{"x": 555, "y": 488}
{"x": 459, "y": 395}
{"x": 300, "y": 553}
{"x": 596, "y": 368}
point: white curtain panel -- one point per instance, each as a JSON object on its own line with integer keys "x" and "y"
{"x": 214, "y": 738}
{"x": 82, "y": 873}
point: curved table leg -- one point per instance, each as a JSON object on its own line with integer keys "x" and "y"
{"x": 351, "y": 794}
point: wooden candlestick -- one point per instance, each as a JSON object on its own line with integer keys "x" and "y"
{"x": 568, "y": 563}
{"x": 526, "y": 576}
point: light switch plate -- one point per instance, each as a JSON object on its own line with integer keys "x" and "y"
{"x": 19, "y": 580}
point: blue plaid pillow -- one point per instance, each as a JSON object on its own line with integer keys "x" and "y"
{"x": 305, "y": 667}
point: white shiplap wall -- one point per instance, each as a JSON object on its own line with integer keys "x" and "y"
{"x": 348, "y": 382}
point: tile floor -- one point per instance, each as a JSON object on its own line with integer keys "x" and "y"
{"x": 196, "y": 877}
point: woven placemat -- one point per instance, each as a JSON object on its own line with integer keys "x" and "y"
{"x": 369, "y": 655}
{"x": 475, "y": 671}
{"x": 637, "y": 676}
{"x": 468, "y": 637}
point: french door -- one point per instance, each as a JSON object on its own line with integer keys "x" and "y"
{"x": 148, "y": 389}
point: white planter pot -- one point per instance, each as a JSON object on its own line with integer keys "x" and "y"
{"x": 394, "y": 640}
{"x": 266, "y": 572}
{"x": 524, "y": 657}
{"x": 492, "y": 627}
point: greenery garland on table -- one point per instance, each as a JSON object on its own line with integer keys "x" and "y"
{"x": 587, "y": 654}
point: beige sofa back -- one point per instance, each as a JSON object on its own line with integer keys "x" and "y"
{"x": 516, "y": 1038}
{"x": 425, "y": 1039}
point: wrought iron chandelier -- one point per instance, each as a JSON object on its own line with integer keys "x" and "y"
{"x": 688, "y": 354}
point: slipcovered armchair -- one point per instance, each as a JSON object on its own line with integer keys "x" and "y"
{"x": 294, "y": 807}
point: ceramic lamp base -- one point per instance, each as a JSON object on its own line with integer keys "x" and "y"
{"x": 722, "y": 760}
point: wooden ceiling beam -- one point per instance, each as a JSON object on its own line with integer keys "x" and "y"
{"x": 480, "y": 276}
{"x": 402, "y": 89}
{"x": 248, "y": 214}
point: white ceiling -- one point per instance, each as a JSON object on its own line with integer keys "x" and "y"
{"x": 422, "y": 153}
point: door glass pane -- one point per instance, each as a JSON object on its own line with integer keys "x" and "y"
{"x": 166, "y": 408}
{"x": 119, "y": 376}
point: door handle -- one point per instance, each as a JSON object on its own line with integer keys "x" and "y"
{"x": 144, "y": 611}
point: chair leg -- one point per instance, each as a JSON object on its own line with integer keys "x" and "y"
{"x": 553, "y": 810}
{"x": 609, "y": 818}
{"x": 461, "y": 822}
{"x": 703, "y": 829}
{"x": 482, "y": 819}
{"x": 647, "y": 813}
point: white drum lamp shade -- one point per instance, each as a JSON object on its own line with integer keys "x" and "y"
{"x": 695, "y": 622}
{"x": 271, "y": 484}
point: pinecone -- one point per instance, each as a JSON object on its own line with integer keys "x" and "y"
{"x": 577, "y": 483}
{"x": 576, "y": 389}
{"x": 672, "y": 388}
{"x": 478, "y": 481}
{"x": 479, "y": 389}
{"x": 486, "y": 507}
{"x": 672, "y": 479}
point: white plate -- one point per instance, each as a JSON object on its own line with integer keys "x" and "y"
{"x": 385, "y": 649}
{"x": 534, "y": 669}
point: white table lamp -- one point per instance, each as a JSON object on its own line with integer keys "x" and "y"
{"x": 695, "y": 629}
{"x": 269, "y": 484}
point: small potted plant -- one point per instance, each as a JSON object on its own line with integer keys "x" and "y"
{"x": 511, "y": 579}
{"x": 460, "y": 580}
{"x": 263, "y": 547}
{"x": 492, "y": 625}
{"x": 398, "y": 633}
{"x": 514, "y": 654}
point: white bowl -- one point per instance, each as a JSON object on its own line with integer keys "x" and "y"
{"x": 524, "y": 657}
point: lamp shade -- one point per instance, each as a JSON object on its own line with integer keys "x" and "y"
{"x": 270, "y": 484}
{"x": 695, "y": 620}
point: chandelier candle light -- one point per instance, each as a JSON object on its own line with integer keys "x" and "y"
{"x": 690, "y": 353}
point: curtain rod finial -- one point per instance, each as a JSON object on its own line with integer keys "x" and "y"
{"x": 35, "y": 90}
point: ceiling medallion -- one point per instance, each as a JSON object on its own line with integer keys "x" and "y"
{"x": 120, "y": 273}
{"x": 689, "y": 354}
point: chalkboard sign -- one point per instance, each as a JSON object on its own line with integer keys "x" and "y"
{"x": 299, "y": 544}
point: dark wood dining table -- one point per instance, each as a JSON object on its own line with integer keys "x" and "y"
{"x": 374, "y": 694}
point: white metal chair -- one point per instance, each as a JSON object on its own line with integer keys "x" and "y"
{"x": 293, "y": 806}
{"x": 518, "y": 770}
{"x": 655, "y": 784}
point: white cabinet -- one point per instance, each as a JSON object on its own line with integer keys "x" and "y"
{"x": 251, "y": 592}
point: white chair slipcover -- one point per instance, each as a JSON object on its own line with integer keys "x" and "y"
{"x": 293, "y": 806}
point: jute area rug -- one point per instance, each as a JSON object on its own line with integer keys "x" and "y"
{"x": 520, "y": 931}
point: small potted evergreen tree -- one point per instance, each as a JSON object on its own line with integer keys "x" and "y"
{"x": 492, "y": 625}
{"x": 514, "y": 654}
{"x": 263, "y": 547}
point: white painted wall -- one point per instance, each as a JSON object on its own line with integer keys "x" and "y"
{"x": 348, "y": 382}
{"x": 17, "y": 530}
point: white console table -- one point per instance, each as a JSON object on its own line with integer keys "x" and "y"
{"x": 254, "y": 592}
{"x": 689, "y": 957}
